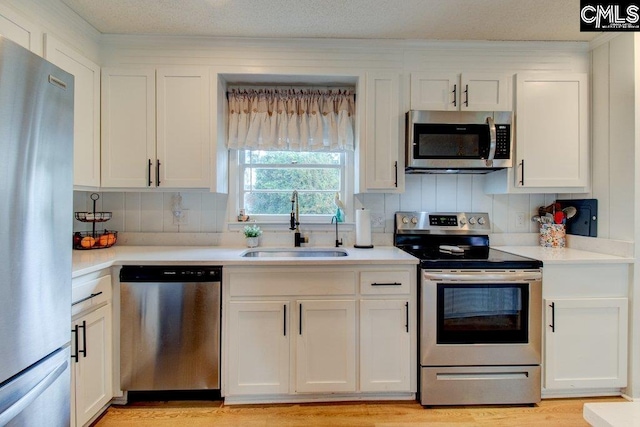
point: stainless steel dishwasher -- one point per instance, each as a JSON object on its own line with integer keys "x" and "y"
{"x": 170, "y": 328}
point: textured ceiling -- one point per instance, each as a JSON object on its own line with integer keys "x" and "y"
{"x": 361, "y": 19}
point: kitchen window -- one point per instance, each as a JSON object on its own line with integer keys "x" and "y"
{"x": 268, "y": 178}
{"x": 283, "y": 139}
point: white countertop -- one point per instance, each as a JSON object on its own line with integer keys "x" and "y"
{"x": 550, "y": 256}
{"x": 612, "y": 414}
{"x": 87, "y": 261}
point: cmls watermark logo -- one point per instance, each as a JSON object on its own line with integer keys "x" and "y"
{"x": 609, "y": 16}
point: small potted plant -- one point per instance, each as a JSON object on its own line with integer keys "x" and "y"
{"x": 252, "y": 233}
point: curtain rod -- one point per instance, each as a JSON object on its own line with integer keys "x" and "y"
{"x": 354, "y": 94}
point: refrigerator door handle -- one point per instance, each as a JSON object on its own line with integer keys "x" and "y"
{"x": 24, "y": 401}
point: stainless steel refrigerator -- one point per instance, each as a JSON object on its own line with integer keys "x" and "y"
{"x": 36, "y": 192}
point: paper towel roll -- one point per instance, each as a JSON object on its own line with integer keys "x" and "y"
{"x": 363, "y": 228}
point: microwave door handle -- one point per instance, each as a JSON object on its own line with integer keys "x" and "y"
{"x": 492, "y": 141}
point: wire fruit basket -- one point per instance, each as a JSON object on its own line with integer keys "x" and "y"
{"x": 94, "y": 239}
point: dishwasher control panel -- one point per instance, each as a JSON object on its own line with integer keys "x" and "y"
{"x": 164, "y": 273}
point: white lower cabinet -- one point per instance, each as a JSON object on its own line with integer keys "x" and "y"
{"x": 586, "y": 343}
{"x": 326, "y": 346}
{"x": 385, "y": 345}
{"x": 260, "y": 335}
{"x": 92, "y": 370}
{"x": 586, "y": 315}
{"x": 300, "y": 333}
{"x": 258, "y": 360}
{"x": 91, "y": 348}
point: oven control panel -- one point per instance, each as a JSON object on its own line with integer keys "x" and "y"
{"x": 442, "y": 222}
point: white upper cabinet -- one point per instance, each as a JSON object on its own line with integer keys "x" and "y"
{"x": 466, "y": 92}
{"x": 551, "y": 136}
{"x": 380, "y": 155}
{"x": 156, "y": 127}
{"x": 128, "y": 127}
{"x": 86, "y": 121}
{"x": 19, "y": 30}
{"x": 183, "y": 137}
{"x": 552, "y": 130}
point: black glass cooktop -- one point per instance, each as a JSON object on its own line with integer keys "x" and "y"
{"x": 468, "y": 252}
{"x": 488, "y": 259}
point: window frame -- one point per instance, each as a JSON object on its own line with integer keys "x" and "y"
{"x": 236, "y": 175}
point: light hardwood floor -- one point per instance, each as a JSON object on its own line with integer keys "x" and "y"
{"x": 553, "y": 412}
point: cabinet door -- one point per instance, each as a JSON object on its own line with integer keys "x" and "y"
{"x": 485, "y": 92}
{"x": 183, "y": 134}
{"x": 86, "y": 120}
{"x": 585, "y": 343}
{"x": 435, "y": 91}
{"x": 383, "y": 167}
{"x": 385, "y": 345}
{"x": 93, "y": 372}
{"x": 128, "y": 127}
{"x": 258, "y": 348}
{"x": 19, "y": 30}
{"x": 552, "y": 148}
{"x": 326, "y": 346}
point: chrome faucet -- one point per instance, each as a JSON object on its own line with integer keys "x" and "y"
{"x": 338, "y": 242}
{"x": 295, "y": 220}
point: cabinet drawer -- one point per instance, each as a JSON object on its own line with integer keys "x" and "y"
{"x": 90, "y": 294}
{"x": 272, "y": 283}
{"x": 385, "y": 282}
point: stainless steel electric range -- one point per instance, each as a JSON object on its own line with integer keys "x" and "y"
{"x": 480, "y": 312}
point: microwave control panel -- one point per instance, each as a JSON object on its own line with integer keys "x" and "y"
{"x": 503, "y": 138}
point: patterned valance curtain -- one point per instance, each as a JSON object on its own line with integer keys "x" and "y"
{"x": 290, "y": 119}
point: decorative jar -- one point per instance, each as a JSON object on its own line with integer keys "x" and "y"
{"x": 553, "y": 235}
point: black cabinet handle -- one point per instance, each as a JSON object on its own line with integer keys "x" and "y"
{"x": 149, "y": 174}
{"x": 300, "y": 319}
{"x": 396, "y": 181}
{"x": 74, "y": 331}
{"x": 553, "y": 317}
{"x": 284, "y": 322}
{"x": 84, "y": 339}
{"x": 466, "y": 95}
{"x": 455, "y": 88}
{"x": 86, "y": 298}
{"x": 522, "y": 172}
{"x": 158, "y": 173}
{"x": 387, "y": 284}
{"x": 406, "y": 307}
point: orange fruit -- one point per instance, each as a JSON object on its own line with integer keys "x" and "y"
{"x": 106, "y": 240}
{"x": 87, "y": 242}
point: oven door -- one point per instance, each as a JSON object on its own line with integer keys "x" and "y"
{"x": 480, "y": 318}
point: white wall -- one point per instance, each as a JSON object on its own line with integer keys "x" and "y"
{"x": 151, "y": 212}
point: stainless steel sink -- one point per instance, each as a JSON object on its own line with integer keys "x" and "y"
{"x": 294, "y": 253}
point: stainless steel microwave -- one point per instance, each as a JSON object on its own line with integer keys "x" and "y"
{"x": 458, "y": 141}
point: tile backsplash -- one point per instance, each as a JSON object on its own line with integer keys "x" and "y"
{"x": 204, "y": 212}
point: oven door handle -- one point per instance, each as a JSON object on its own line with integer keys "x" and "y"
{"x": 483, "y": 277}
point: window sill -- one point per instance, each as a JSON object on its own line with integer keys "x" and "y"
{"x": 284, "y": 226}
